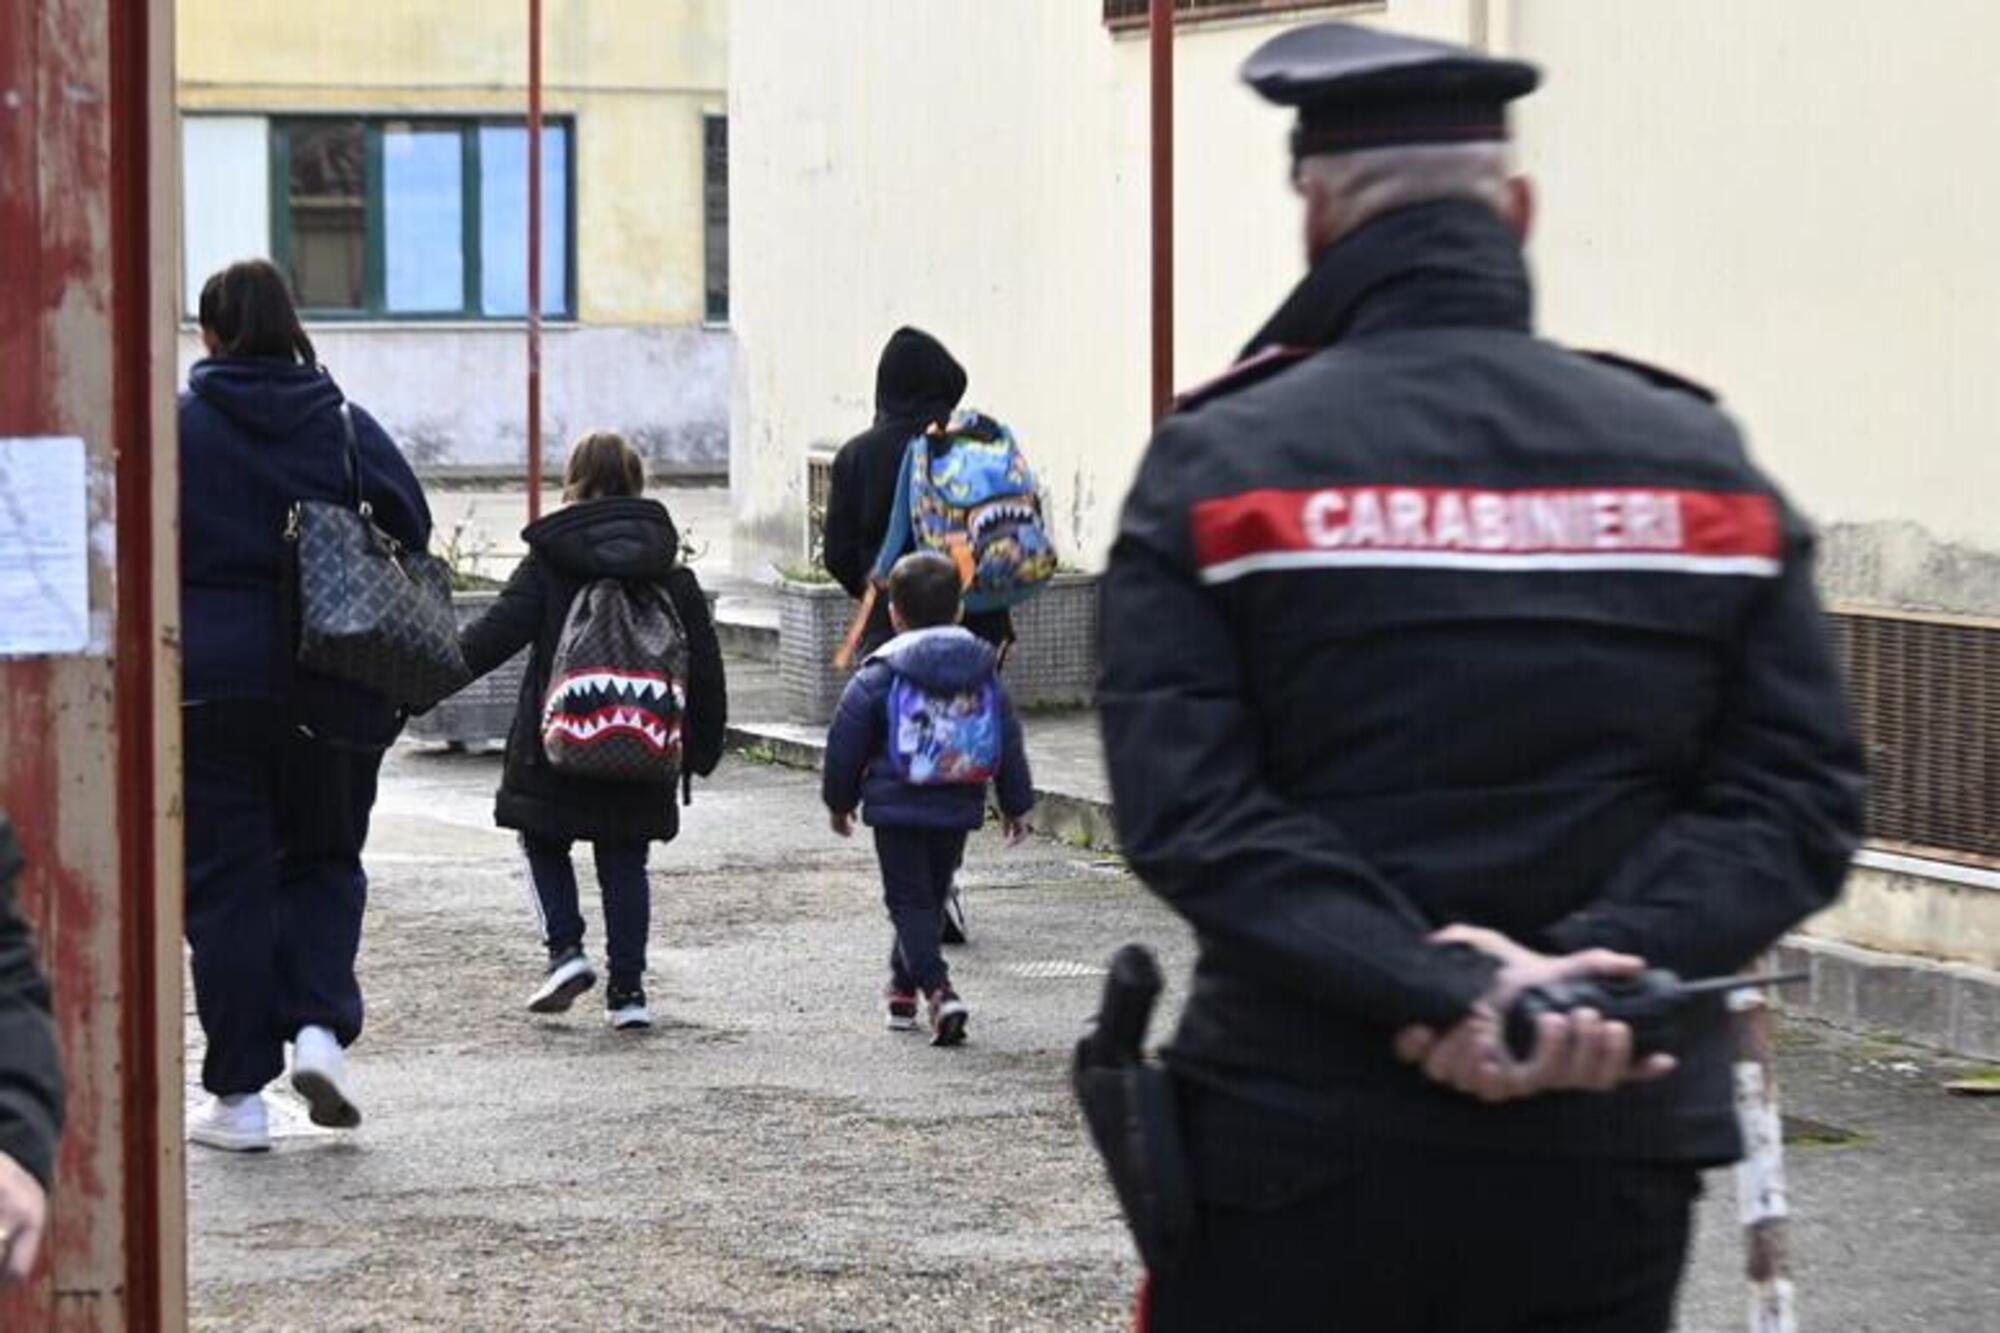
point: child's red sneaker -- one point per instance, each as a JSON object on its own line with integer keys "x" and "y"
{"x": 948, "y": 1017}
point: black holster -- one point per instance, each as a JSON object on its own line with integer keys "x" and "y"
{"x": 1133, "y": 1111}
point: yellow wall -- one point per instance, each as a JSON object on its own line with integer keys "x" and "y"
{"x": 635, "y": 74}
{"x": 1794, "y": 200}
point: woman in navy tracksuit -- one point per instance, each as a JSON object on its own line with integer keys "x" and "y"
{"x": 280, "y": 763}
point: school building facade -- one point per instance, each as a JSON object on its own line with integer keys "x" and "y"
{"x": 378, "y": 154}
{"x": 1720, "y": 191}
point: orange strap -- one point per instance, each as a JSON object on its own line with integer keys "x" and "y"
{"x": 959, "y": 547}
{"x": 851, "y": 645}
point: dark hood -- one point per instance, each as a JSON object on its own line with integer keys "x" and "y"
{"x": 917, "y": 379}
{"x": 623, "y": 538}
{"x": 265, "y": 396}
{"x": 947, "y": 659}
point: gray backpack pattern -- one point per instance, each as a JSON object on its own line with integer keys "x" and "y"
{"x": 617, "y": 695}
{"x": 368, "y": 610}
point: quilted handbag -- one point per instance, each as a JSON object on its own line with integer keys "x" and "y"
{"x": 370, "y": 611}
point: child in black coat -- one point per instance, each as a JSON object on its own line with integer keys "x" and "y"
{"x": 922, "y": 730}
{"x": 606, "y": 531}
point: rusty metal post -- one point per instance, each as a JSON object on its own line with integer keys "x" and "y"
{"x": 534, "y": 260}
{"x": 1760, "y": 1177}
{"x": 1161, "y": 32}
{"x": 89, "y": 742}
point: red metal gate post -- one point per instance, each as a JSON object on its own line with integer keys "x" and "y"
{"x": 89, "y": 739}
{"x": 534, "y": 260}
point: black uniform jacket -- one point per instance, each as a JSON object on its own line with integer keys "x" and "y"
{"x": 1420, "y": 619}
{"x": 624, "y": 538}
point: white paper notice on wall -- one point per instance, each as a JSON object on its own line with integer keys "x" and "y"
{"x": 44, "y": 546}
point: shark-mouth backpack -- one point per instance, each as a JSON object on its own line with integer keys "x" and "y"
{"x": 617, "y": 693}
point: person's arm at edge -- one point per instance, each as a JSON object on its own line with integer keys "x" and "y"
{"x": 31, "y": 1082}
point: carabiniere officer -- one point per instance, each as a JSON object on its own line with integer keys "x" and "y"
{"x": 1441, "y": 661}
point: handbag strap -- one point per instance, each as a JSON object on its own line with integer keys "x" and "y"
{"x": 351, "y": 453}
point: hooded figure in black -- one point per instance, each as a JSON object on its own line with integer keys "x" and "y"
{"x": 917, "y": 385}
{"x": 607, "y": 531}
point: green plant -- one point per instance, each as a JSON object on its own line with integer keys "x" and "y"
{"x": 793, "y": 571}
{"x": 463, "y": 550}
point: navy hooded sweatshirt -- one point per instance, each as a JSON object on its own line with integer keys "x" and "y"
{"x": 944, "y": 660}
{"x": 256, "y": 436}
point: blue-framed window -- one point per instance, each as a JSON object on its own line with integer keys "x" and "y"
{"x": 419, "y": 217}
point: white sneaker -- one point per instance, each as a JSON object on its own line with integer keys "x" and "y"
{"x": 233, "y": 1124}
{"x": 626, "y": 1008}
{"x": 569, "y": 976}
{"x": 319, "y": 1074}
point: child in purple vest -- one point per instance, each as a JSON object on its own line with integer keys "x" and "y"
{"x": 923, "y": 729}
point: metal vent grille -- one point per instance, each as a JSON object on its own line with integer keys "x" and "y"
{"x": 1926, "y": 695}
{"x": 1132, "y": 13}
{"x": 819, "y": 485}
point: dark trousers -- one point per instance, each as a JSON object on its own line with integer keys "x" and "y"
{"x": 917, "y": 868}
{"x": 275, "y": 890}
{"x": 628, "y": 901}
{"x": 1404, "y": 1240}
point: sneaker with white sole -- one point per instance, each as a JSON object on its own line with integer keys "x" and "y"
{"x": 948, "y": 1016}
{"x": 233, "y": 1124}
{"x": 569, "y": 976}
{"x": 625, "y": 1007}
{"x": 319, "y": 1074}
{"x": 900, "y": 1008}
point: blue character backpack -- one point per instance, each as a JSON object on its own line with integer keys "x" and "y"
{"x": 938, "y": 739}
{"x": 970, "y": 495}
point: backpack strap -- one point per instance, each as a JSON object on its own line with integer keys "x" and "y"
{"x": 896, "y": 537}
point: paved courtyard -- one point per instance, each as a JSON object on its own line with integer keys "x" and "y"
{"x": 768, "y": 1158}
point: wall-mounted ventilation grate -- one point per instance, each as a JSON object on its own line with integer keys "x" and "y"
{"x": 1926, "y": 694}
{"x": 1132, "y": 13}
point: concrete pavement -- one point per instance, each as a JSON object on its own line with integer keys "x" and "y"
{"x": 769, "y": 1158}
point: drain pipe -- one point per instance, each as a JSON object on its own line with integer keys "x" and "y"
{"x": 1161, "y": 32}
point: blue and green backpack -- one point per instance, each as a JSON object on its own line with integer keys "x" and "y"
{"x": 970, "y": 495}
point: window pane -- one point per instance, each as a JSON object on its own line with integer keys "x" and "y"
{"x": 423, "y": 219}
{"x": 503, "y": 219}
{"x": 225, "y": 196}
{"x": 715, "y": 214}
{"x": 327, "y": 202}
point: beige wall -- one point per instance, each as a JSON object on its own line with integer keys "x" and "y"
{"x": 1795, "y": 200}
{"x": 636, "y": 75}
{"x": 1008, "y": 215}
{"x": 1721, "y": 191}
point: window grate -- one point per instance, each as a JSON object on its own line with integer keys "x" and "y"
{"x": 1926, "y": 698}
{"x": 1122, "y": 14}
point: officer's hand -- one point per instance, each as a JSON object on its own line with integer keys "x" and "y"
{"x": 1575, "y": 1052}
{"x": 23, "y": 1214}
{"x": 1521, "y": 967}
